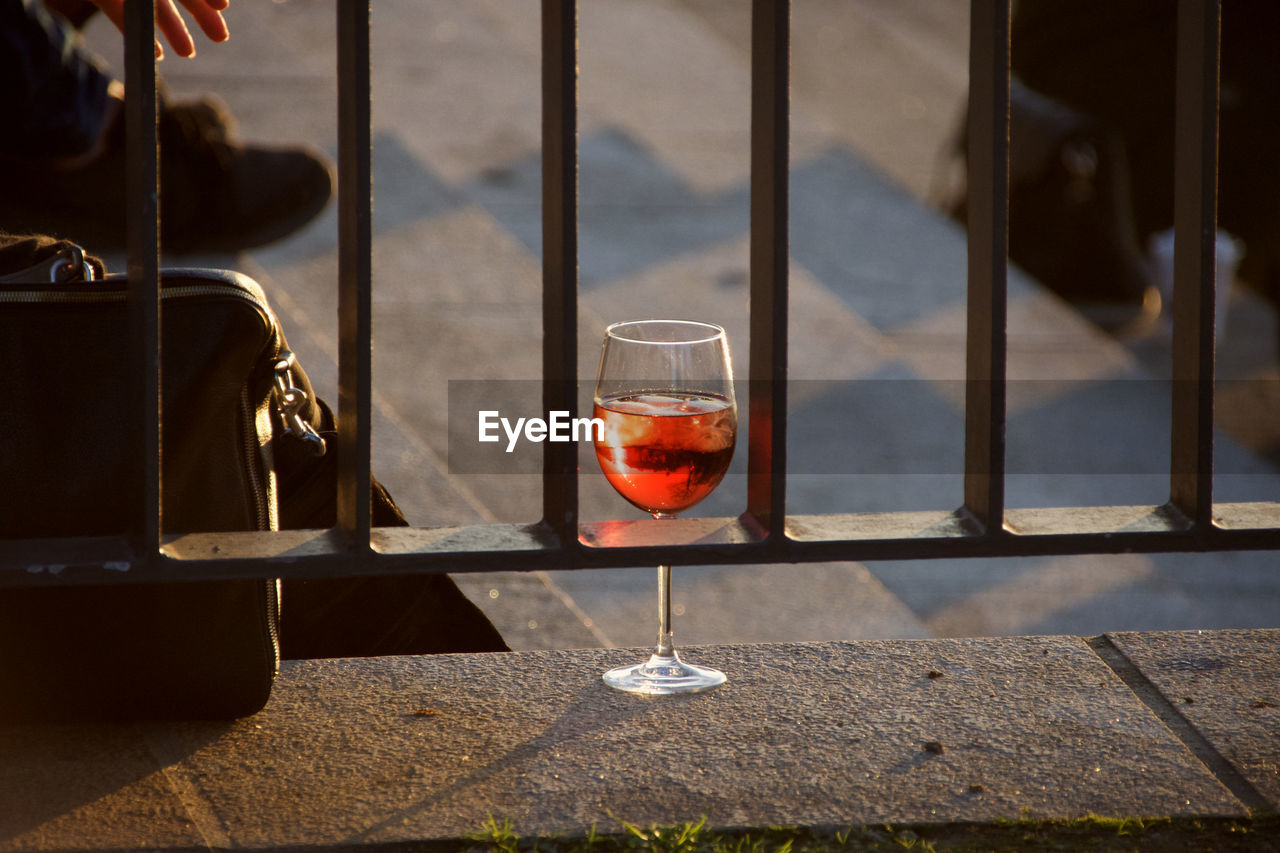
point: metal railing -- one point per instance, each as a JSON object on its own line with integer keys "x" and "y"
{"x": 982, "y": 526}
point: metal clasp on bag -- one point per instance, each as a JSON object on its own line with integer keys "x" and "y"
{"x": 63, "y": 267}
{"x": 291, "y": 400}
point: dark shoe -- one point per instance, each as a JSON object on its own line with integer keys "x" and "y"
{"x": 217, "y": 194}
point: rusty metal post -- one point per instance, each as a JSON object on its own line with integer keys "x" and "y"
{"x": 1195, "y": 226}
{"x": 988, "y": 225}
{"x": 767, "y": 373}
{"x": 142, "y": 177}
{"x": 355, "y": 276}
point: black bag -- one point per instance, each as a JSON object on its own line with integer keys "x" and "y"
{"x": 192, "y": 649}
{"x": 239, "y": 454}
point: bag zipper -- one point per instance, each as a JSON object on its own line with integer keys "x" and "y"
{"x": 257, "y": 468}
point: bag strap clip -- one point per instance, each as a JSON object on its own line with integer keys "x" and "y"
{"x": 62, "y": 267}
{"x": 290, "y": 400}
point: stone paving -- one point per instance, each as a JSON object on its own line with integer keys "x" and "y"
{"x": 877, "y": 302}
{"x": 386, "y": 753}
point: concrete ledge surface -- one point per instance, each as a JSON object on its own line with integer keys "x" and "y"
{"x": 362, "y": 754}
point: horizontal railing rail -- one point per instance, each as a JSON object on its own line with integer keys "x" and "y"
{"x": 982, "y": 527}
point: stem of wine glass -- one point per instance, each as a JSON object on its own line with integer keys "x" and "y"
{"x": 665, "y": 647}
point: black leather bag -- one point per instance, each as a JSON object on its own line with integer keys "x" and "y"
{"x": 239, "y": 453}
{"x": 174, "y": 650}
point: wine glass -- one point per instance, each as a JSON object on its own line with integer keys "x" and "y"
{"x": 665, "y": 395}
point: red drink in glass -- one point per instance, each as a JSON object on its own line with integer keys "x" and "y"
{"x": 665, "y": 451}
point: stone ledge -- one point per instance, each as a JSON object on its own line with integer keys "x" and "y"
{"x": 366, "y": 754}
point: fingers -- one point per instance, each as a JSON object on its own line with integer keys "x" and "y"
{"x": 169, "y": 22}
{"x": 208, "y": 15}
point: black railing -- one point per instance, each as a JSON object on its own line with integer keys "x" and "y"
{"x": 983, "y": 526}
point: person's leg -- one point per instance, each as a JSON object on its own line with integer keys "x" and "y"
{"x": 63, "y": 155}
{"x": 55, "y": 97}
{"x": 1116, "y": 62}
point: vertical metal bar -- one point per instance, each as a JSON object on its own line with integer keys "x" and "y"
{"x": 142, "y": 177}
{"x": 1195, "y": 225}
{"x": 767, "y": 374}
{"x": 988, "y": 180}
{"x": 560, "y": 257}
{"x": 355, "y": 283}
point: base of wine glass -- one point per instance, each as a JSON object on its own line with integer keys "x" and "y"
{"x": 662, "y": 674}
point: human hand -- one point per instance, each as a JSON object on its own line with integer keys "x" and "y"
{"x": 207, "y": 13}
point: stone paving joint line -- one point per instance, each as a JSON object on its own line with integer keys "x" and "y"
{"x": 1181, "y": 728}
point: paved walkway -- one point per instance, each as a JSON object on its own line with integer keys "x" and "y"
{"x": 877, "y": 296}
{"x": 386, "y": 753}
